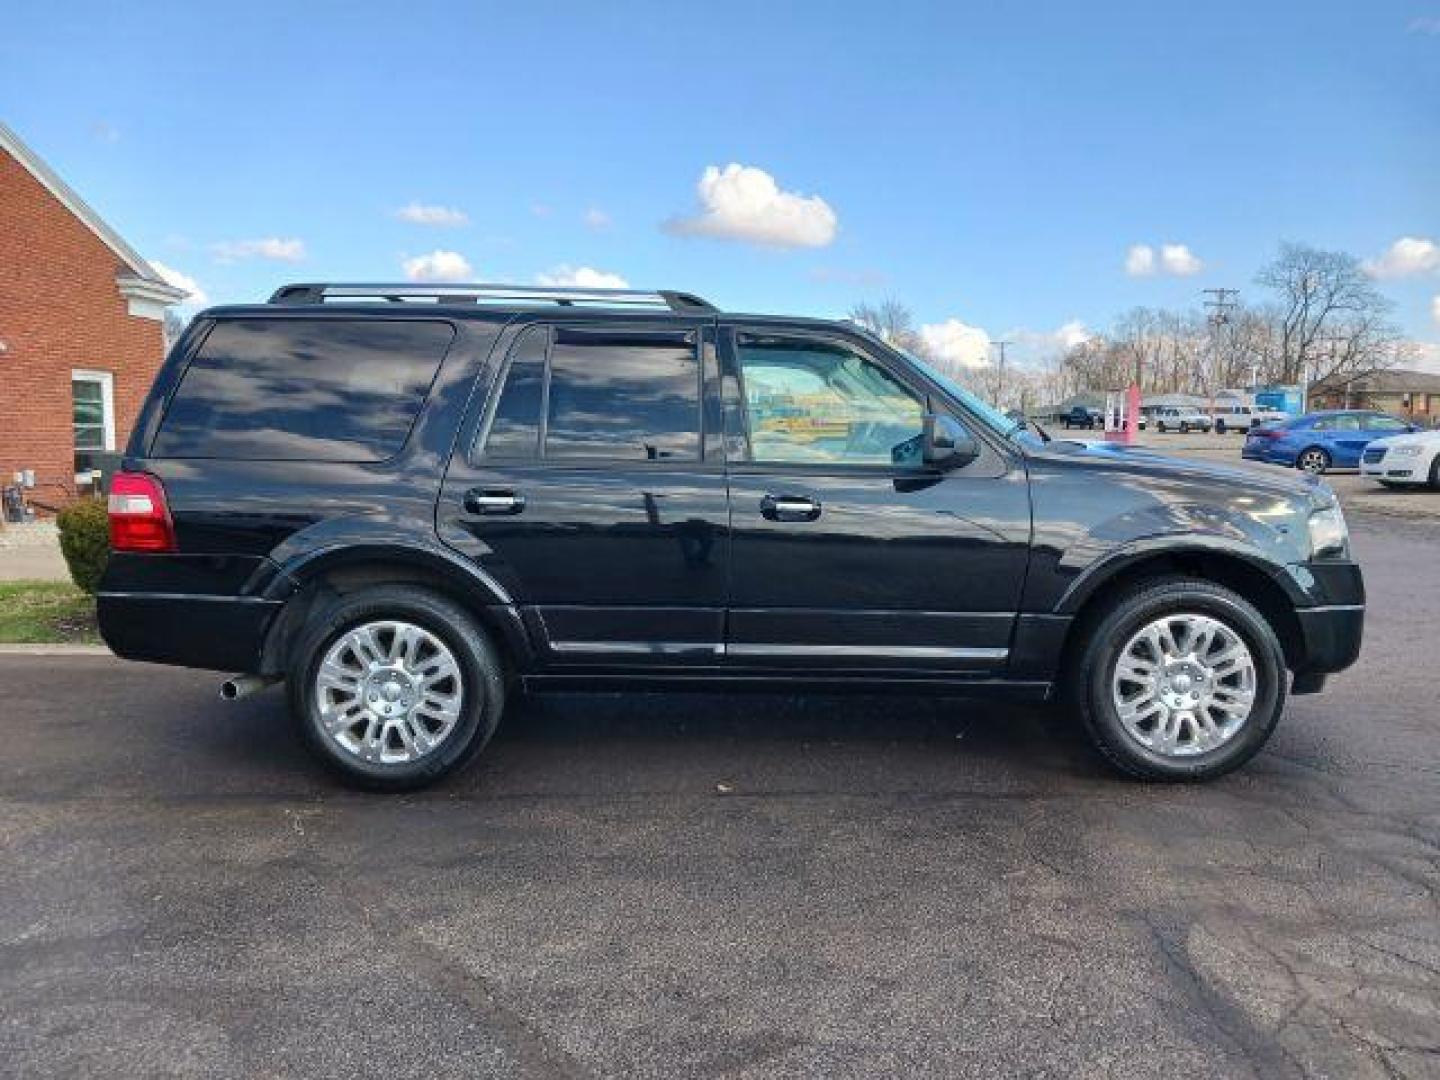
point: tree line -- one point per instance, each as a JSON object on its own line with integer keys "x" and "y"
{"x": 1318, "y": 317}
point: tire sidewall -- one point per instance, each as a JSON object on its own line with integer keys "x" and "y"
{"x": 479, "y": 671}
{"x": 1116, "y": 630}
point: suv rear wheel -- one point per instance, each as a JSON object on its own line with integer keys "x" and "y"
{"x": 1180, "y": 680}
{"x": 394, "y": 687}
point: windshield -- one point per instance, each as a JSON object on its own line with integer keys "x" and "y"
{"x": 992, "y": 417}
{"x": 988, "y": 414}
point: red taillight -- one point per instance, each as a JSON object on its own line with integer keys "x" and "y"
{"x": 1266, "y": 433}
{"x": 139, "y": 515}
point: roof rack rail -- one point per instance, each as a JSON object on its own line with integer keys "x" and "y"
{"x": 319, "y": 292}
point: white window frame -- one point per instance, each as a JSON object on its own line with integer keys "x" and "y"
{"x": 106, "y": 380}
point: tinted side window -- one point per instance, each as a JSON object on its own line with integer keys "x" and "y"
{"x": 303, "y": 389}
{"x": 1384, "y": 423}
{"x": 618, "y": 394}
{"x": 515, "y": 427}
{"x": 817, "y": 402}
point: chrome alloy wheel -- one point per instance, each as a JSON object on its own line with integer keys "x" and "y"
{"x": 1313, "y": 461}
{"x": 388, "y": 692}
{"x": 1184, "y": 685}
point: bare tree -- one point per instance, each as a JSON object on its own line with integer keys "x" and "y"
{"x": 891, "y": 319}
{"x": 1331, "y": 320}
{"x": 174, "y": 326}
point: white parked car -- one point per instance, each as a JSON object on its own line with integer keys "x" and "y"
{"x": 1181, "y": 418}
{"x": 1400, "y": 460}
{"x": 1241, "y": 417}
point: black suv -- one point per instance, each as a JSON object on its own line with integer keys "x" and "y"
{"x": 408, "y": 502}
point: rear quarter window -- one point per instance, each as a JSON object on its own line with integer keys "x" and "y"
{"x": 303, "y": 389}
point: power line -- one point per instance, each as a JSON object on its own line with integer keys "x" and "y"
{"x": 1222, "y": 305}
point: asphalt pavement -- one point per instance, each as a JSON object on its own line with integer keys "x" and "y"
{"x": 739, "y": 886}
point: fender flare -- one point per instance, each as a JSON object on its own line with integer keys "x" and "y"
{"x": 472, "y": 586}
{"x": 1135, "y": 552}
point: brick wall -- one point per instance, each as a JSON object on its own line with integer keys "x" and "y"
{"x": 60, "y": 309}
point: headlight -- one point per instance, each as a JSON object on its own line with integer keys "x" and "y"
{"x": 1405, "y": 451}
{"x": 1329, "y": 538}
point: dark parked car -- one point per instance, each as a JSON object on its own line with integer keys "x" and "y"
{"x": 410, "y": 502}
{"x": 1081, "y": 417}
{"x": 1320, "y": 441}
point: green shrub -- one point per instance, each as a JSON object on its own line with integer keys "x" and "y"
{"x": 85, "y": 541}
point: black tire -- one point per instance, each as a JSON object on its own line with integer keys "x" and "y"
{"x": 1184, "y": 428}
{"x": 1321, "y": 458}
{"x": 1160, "y": 427}
{"x": 1435, "y": 473}
{"x": 1219, "y": 427}
{"x": 482, "y": 677}
{"x": 1106, "y": 635}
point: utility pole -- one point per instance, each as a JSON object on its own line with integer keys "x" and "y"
{"x": 1221, "y": 304}
{"x": 1000, "y": 382}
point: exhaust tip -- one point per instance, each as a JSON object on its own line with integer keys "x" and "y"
{"x": 238, "y": 686}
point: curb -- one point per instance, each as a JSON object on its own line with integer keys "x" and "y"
{"x": 55, "y": 650}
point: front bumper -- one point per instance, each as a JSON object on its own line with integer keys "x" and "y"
{"x": 1330, "y": 638}
{"x": 1398, "y": 471}
{"x": 1332, "y": 627}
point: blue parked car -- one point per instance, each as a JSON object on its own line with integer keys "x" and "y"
{"x": 1319, "y": 441}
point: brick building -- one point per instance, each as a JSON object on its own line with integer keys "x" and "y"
{"x": 1412, "y": 395}
{"x": 81, "y": 328}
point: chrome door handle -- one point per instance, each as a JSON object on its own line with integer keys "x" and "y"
{"x": 488, "y": 501}
{"x": 789, "y": 508}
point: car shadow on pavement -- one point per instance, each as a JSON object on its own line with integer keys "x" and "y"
{"x": 717, "y": 743}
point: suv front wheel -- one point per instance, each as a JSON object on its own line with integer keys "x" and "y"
{"x": 394, "y": 687}
{"x": 1180, "y": 680}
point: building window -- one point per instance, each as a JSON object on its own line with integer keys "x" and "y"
{"x": 92, "y": 396}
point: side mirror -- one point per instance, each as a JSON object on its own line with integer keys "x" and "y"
{"x": 947, "y": 444}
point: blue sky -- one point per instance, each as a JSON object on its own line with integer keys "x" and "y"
{"x": 991, "y": 163}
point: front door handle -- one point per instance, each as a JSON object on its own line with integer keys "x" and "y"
{"x": 493, "y": 501}
{"x": 789, "y": 508}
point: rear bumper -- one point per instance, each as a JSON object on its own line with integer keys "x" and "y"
{"x": 224, "y": 633}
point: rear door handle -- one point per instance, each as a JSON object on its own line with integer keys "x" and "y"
{"x": 493, "y": 501}
{"x": 789, "y": 508}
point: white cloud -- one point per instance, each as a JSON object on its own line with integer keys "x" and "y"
{"x": 1140, "y": 260}
{"x": 741, "y": 202}
{"x": 105, "y": 132}
{"x": 1175, "y": 260}
{"x": 956, "y": 345}
{"x": 541, "y": 210}
{"x": 597, "y": 220}
{"x": 580, "y": 277}
{"x": 1407, "y": 256}
{"x": 1435, "y": 310}
{"x": 1425, "y": 24}
{"x": 1033, "y": 345}
{"x": 1425, "y": 355}
{"x": 439, "y": 265}
{"x": 196, "y": 295}
{"x": 423, "y": 214}
{"x": 278, "y": 249}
